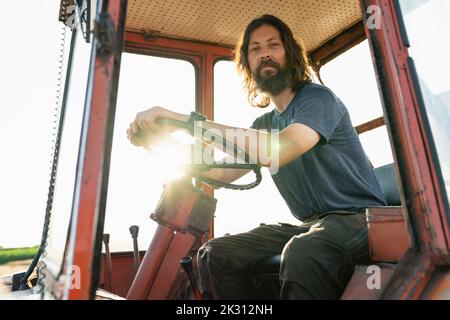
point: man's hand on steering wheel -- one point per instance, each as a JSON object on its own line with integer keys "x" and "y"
{"x": 145, "y": 131}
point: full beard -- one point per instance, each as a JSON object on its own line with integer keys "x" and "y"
{"x": 273, "y": 84}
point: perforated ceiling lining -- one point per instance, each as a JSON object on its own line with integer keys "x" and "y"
{"x": 222, "y": 21}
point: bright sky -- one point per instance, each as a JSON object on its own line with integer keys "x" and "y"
{"x": 28, "y": 60}
{"x": 28, "y": 65}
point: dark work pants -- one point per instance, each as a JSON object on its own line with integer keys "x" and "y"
{"x": 317, "y": 257}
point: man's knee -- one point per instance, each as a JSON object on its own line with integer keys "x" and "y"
{"x": 316, "y": 258}
{"x": 228, "y": 253}
{"x": 211, "y": 251}
{"x": 315, "y": 263}
{"x": 300, "y": 253}
{"x": 217, "y": 255}
{"x": 220, "y": 266}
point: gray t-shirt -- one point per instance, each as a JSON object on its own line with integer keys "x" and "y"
{"x": 334, "y": 175}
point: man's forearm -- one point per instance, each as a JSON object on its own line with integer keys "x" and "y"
{"x": 260, "y": 146}
{"x": 173, "y": 115}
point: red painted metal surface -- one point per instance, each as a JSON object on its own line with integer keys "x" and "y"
{"x": 151, "y": 263}
{"x": 338, "y": 44}
{"x": 363, "y": 286}
{"x": 389, "y": 237}
{"x": 412, "y": 152}
{"x": 370, "y": 125}
{"x": 170, "y": 269}
{"x": 439, "y": 286}
{"x": 122, "y": 272}
{"x": 183, "y": 214}
{"x": 93, "y": 153}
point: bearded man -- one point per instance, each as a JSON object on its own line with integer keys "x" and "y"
{"x": 324, "y": 175}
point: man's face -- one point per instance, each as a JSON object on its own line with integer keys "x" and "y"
{"x": 267, "y": 60}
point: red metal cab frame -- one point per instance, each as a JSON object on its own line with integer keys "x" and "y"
{"x": 86, "y": 228}
{"x": 405, "y": 122}
{"x": 97, "y": 144}
{"x": 412, "y": 151}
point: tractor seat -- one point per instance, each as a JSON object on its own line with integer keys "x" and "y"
{"x": 388, "y": 182}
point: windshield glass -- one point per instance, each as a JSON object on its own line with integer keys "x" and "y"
{"x": 428, "y": 32}
{"x": 137, "y": 176}
{"x": 68, "y": 153}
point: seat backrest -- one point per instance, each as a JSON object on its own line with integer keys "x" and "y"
{"x": 388, "y": 182}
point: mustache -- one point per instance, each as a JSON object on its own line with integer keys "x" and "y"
{"x": 268, "y": 63}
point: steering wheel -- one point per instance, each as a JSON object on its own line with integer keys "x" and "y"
{"x": 195, "y": 170}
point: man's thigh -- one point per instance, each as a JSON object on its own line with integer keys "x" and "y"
{"x": 328, "y": 251}
{"x": 348, "y": 231}
{"x": 244, "y": 250}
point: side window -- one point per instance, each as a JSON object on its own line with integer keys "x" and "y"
{"x": 68, "y": 153}
{"x": 351, "y": 76}
{"x": 240, "y": 211}
{"x": 136, "y": 176}
{"x": 426, "y": 29}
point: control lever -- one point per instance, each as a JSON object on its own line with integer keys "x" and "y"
{"x": 108, "y": 260}
{"x": 186, "y": 263}
{"x": 134, "y": 230}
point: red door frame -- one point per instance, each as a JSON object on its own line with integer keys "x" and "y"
{"x": 413, "y": 154}
{"x": 84, "y": 241}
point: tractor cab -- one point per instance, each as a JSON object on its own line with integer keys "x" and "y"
{"x": 126, "y": 223}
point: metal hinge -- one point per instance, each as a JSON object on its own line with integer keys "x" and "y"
{"x": 105, "y": 33}
{"x": 150, "y": 35}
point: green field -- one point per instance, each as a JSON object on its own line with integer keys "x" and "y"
{"x": 15, "y": 254}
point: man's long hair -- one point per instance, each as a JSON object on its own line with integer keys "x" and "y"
{"x": 296, "y": 59}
